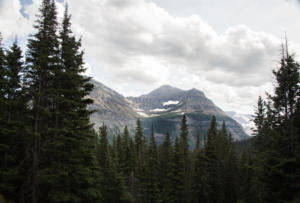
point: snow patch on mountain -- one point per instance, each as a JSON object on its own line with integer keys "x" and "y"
{"x": 158, "y": 110}
{"x": 170, "y": 102}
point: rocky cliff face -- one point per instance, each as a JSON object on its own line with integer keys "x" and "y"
{"x": 163, "y": 106}
{"x": 111, "y": 108}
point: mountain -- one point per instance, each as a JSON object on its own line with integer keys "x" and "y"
{"x": 169, "y": 99}
{"x": 164, "y": 107}
{"x": 244, "y": 119}
{"x": 111, "y": 108}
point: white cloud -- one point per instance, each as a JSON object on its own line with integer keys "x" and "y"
{"x": 12, "y": 23}
{"x": 136, "y": 45}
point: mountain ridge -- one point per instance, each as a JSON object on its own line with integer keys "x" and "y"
{"x": 163, "y": 106}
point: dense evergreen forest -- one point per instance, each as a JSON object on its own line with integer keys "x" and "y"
{"x": 49, "y": 151}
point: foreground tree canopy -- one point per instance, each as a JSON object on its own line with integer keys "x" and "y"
{"x": 49, "y": 151}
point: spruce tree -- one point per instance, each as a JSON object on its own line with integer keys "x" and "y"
{"x": 140, "y": 150}
{"x": 152, "y": 185}
{"x": 184, "y": 137}
{"x": 139, "y": 138}
{"x": 166, "y": 164}
{"x": 213, "y": 164}
{"x": 200, "y": 179}
{"x": 112, "y": 185}
{"x": 129, "y": 156}
{"x": 284, "y": 101}
{"x": 13, "y": 124}
{"x": 246, "y": 179}
{"x": 42, "y": 60}
{"x": 185, "y": 148}
{"x": 275, "y": 160}
{"x": 63, "y": 142}
{"x": 72, "y": 151}
{"x": 177, "y": 194}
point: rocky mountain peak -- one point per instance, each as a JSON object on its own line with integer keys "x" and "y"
{"x": 164, "y": 106}
{"x": 163, "y": 91}
{"x": 195, "y": 92}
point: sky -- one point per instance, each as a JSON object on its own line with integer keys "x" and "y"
{"x": 227, "y": 49}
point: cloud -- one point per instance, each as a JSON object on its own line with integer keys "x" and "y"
{"x": 123, "y": 34}
{"x": 136, "y": 45}
{"x": 12, "y": 23}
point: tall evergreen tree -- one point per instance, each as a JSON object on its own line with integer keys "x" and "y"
{"x": 184, "y": 132}
{"x": 275, "y": 161}
{"x": 63, "y": 143}
{"x": 213, "y": 164}
{"x": 152, "y": 190}
{"x": 140, "y": 150}
{"x": 71, "y": 148}
{"x": 184, "y": 137}
{"x": 112, "y": 185}
{"x": 200, "y": 179}
{"x": 139, "y": 138}
{"x": 166, "y": 164}
{"x": 13, "y": 125}
{"x": 177, "y": 194}
{"x": 42, "y": 62}
{"x": 128, "y": 158}
{"x": 246, "y": 193}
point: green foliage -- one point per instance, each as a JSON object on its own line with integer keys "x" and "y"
{"x": 13, "y": 120}
{"x": 112, "y": 184}
{"x": 276, "y": 161}
{"x": 152, "y": 193}
{"x": 178, "y": 174}
{"x": 166, "y": 158}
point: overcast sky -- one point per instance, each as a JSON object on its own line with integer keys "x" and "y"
{"x": 227, "y": 49}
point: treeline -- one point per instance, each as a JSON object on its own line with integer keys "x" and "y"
{"x": 135, "y": 170}
{"x": 49, "y": 151}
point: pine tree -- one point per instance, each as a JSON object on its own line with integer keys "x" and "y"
{"x": 140, "y": 150}
{"x": 63, "y": 142}
{"x": 275, "y": 160}
{"x": 166, "y": 164}
{"x": 185, "y": 147}
{"x": 230, "y": 181}
{"x": 139, "y": 138}
{"x": 128, "y": 158}
{"x": 200, "y": 179}
{"x": 152, "y": 192}
{"x": 246, "y": 175}
{"x": 213, "y": 164}
{"x": 287, "y": 90}
{"x": 177, "y": 194}
{"x": 41, "y": 65}
{"x": 184, "y": 137}
{"x": 13, "y": 125}
{"x": 112, "y": 185}
{"x": 73, "y": 149}
{"x": 119, "y": 150}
